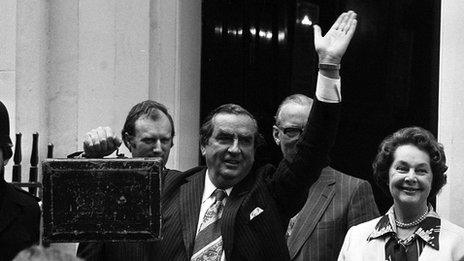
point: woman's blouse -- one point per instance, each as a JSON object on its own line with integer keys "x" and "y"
{"x": 435, "y": 239}
{"x": 396, "y": 249}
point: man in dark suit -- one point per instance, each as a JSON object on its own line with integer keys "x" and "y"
{"x": 19, "y": 210}
{"x": 248, "y": 220}
{"x": 148, "y": 132}
{"x": 335, "y": 202}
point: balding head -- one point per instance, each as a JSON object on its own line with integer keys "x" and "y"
{"x": 300, "y": 99}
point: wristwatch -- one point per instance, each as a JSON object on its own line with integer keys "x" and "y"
{"x": 329, "y": 66}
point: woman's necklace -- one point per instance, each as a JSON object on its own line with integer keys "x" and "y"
{"x": 414, "y": 223}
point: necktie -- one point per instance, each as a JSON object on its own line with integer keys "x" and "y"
{"x": 208, "y": 243}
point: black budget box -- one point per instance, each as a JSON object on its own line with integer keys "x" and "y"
{"x": 101, "y": 199}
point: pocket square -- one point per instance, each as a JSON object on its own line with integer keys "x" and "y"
{"x": 256, "y": 212}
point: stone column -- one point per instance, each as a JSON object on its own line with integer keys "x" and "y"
{"x": 69, "y": 66}
{"x": 451, "y": 101}
{"x": 175, "y": 63}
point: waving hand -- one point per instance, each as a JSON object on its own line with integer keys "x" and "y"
{"x": 332, "y": 46}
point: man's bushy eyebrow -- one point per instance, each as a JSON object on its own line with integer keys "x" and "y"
{"x": 225, "y": 132}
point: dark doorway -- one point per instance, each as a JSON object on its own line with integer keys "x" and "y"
{"x": 257, "y": 52}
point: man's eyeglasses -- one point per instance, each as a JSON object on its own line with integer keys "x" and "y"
{"x": 292, "y": 132}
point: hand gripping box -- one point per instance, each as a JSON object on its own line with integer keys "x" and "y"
{"x": 101, "y": 200}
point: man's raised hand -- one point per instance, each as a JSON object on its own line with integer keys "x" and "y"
{"x": 332, "y": 46}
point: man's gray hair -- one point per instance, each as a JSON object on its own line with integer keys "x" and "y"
{"x": 300, "y": 99}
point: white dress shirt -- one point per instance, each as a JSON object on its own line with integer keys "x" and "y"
{"x": 208, "y": 200}
{"x": 328, "y": 89}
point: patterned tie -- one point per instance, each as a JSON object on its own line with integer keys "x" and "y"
{"x": 208, "y": 243}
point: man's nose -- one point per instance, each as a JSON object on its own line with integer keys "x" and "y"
{"x": 157, "y": 146}
{"x": 234, "y": 147}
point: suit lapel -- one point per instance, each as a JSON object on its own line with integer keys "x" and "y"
{"x": 191, "y": 194}
{"x": 320, "y": 195}
{"x": 229, "y": 216}
{"x": 228, "y": 222}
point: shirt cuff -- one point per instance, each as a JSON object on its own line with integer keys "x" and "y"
{"x": 328, "y": 89}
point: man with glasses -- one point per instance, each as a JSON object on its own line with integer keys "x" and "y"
{"x": 335, "y": 202}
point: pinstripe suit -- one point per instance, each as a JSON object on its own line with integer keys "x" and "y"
{"x": 335, "y": 203}
{"x": 279, "y": 192}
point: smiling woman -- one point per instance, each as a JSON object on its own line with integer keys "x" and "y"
{"x": 410, "y": 180}
{"x": 410, "y": 166}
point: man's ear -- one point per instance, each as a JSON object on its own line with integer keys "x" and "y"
{"x": 275, "y": 135}
{"x": 203, "y": 150}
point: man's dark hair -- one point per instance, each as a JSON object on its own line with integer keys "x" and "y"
{"x": 423, "y": 140}
{"x": 207, "y": 128}
{"x": 148, "y": 108}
